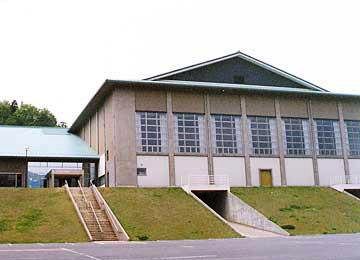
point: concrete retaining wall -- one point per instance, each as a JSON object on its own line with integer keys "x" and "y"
{"x": 238, "y": 211}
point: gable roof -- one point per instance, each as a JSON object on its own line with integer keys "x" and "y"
{"x": 248, "y": 58}
{"x": 43, "y": 142}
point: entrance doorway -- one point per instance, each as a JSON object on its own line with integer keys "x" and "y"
{"x": 72, "y": 181}
{"x": 266, "y": 178}
{"x": 59, "y": 177}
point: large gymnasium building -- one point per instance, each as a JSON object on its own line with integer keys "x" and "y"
{"x": 234, "y": 116}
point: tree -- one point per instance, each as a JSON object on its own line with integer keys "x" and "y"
{"x": 62, "y": 124}
{"x": 14, "y": 106}
{"x": 25, "y": 115}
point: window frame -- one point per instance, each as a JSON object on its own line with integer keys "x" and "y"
{"x": 182, "y": 139}
{"x": 305, "y": 136}
{"x": 219, "y": 135}
{"x": 336, "y": 137}
{"x": 271, "y": 128}
{"x": 352, "y": 152}
{"x": 143, "y": 141}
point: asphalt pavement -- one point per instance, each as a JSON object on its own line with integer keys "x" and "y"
{"x": 324, "y": 247}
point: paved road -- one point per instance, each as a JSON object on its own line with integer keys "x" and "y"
{"x": 275, "y": 248}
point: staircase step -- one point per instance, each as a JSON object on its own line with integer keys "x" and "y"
{"x": 83, "y": 200}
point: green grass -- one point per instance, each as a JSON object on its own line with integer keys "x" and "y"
{"x": 163, "y": 214}
{"x": 305, "y": 210}
{"x": 38, "y": 216}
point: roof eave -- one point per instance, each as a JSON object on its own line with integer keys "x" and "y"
{"x": 110, "y": 84}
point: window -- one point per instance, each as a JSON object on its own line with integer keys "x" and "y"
{"x": 226, "y": 134}
{"x": 189, "y": 133}
{"x": 296, "y": 132}
{"x": 327, "y": 136}
{"x": 262, "y": 135}
{"x": 151, "y": 132}
{"x": 353, "y": 134}
{"x": 10, "y": 179}
{"x": 141, "y": 172}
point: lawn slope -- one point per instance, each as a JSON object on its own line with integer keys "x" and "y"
{"x": 163, "y": 214}
{"x": 305, "y": 210}
{"x": 38, "y": 216}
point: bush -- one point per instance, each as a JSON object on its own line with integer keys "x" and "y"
{"x": 288, "y": 227}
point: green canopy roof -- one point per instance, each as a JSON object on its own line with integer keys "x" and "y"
{"x": 43, "y": 142}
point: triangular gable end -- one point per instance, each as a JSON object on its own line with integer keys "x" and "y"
{"x": 237, "y": 68}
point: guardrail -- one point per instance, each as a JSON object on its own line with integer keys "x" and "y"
{"x": 91, "y": 206}
{"x": 205, "y": 180}
{"x": 345, "y": 179}
{"x": 117, "y": 227}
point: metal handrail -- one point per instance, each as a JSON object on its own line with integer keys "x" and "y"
{"x": 192, "y": 180}
{"x": 109, "y": 213}
{"x": 345, "y": 179}
{"x": 78, "y": 210}
{"x": 91, "y": 206}
{"x": 119, "y": 230}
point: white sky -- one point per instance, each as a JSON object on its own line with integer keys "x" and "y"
{"x": 56, "y": 54}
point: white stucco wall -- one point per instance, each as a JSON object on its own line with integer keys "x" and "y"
{"x": 234, "y": 167}
{"x": 354, "y": 169}
{"x": 299, "y": 172}
{"x": 157, "y": 171}
{"x": 329, "y": 168}
{"x": 189, "y": 165}
{"x": 101, "y": 165}
{"x": 265, "y": 163}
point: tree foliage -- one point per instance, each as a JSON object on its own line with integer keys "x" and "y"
{"x": 25, "y": 115}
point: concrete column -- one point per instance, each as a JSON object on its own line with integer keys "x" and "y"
{"x": 245, "y": 137}
{"x": 109, "y": 124}
{"x": 89, "y": 132}
{"x": 106, "y": 124}
{"x": 97, "y": 131}
{"x": 343, "y": 142}
{"x": 280, "y": 137}
{"x": 81, "y": 179}
{"x": 313, "y": 144}
{"x": 124, "y": 137}
{"x": 23, "y": 178}
{"x": 171, "y": 139}
{"x": 209, "y": 135}
{"x": 52, "y": 180}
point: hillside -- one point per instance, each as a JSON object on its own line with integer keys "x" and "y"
{"x": 38, "y": 216}
{"x": 163, "y": 214}
{"x": 305, "y": 210}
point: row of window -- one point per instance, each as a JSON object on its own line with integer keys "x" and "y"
{"x": 226, "y": 135}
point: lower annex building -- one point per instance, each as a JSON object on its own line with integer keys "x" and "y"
{"x": 234, "y": 117}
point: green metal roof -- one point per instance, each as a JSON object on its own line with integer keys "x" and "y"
{"x": 43, "y": 142}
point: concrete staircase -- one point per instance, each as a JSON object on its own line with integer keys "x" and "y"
{"x": 94, "y": 217}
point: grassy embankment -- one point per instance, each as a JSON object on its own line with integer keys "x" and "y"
{"x": 305, "y": 210}
{"x": 38, "y": 216}
{"x": 163, "y": 214}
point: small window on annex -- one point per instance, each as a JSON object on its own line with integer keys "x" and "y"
{"x": 189, "y": 133}
{"x": 297, "y": 139}
{"x": 226, "y": 134}
{"x": 262, "y": 135}
{"x": 328, "y": 138}
{"x": 151, "y": 132}
{"x": 13, "y": 180}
